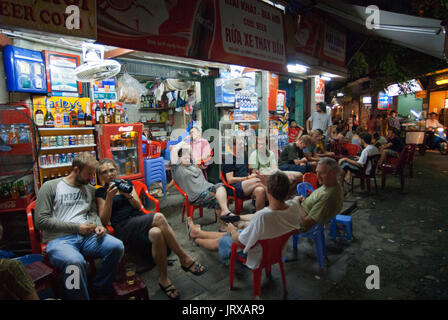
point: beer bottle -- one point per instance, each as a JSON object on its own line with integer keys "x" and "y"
{"x": 117, "y": 115}
{"x": 39, "y": 117}
{"x": 110, "y": 113}
{"x": 49, "y": 119}
{"x": 202, "y": 30}
{"x": 105, "y": 117}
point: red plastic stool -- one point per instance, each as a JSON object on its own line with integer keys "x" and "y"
{"x": 123, "y": 291}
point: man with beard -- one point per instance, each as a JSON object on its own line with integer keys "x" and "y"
{"x": 66, "y": 213}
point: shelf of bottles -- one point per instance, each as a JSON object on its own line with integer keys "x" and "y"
{"x": 63, "y": 135}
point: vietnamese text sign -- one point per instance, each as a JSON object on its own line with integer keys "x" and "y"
{"x": 49, "y": 16}
{"x": 249, "y": 33}
{"x": 333, "y": 48}
{"x": 252, "y": 29}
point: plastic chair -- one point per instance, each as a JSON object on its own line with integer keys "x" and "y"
{"x": 352, "y": 149}
{"x": 316, "y": 233}
{"x": 272, "y": 254}
{"x": 311, "y": 178}
{"x": 169, "y": 145}
{"x": 154, "y": 149}
{"x": 395, "y": 166}
{"x": 341, "y": 226}
{"x": 364, "y": 177}
{"x": 37, "y": 246}
{"x": 238, "y": 201}
{"x": 304, "y": 189}
{"x": 155, "y": 172}
{"x": 189, "y": 207}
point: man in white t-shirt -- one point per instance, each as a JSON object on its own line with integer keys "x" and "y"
{"x": 319, "y": 120}
{"x": 278, "y": 218}
{"x": 356, "y": 165}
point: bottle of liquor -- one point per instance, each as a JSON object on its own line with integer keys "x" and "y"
{"x": 65, "y": 118}
{"x": 89, "y": 122}
{"x": 98, "y": 113}
{"x": 57, "y": 117}
{"x": 39, "y": 116}
{"x": 81, "y": 117}
{"x": 117, "y": 115}
{"x": 111, "y": 113}
{"x": 49, "y": 119}
{"x": 73, "y": 118}
{"x": 142, "y": 102}
{"x": 105, "y": 117}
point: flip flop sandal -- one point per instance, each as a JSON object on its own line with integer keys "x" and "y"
{"x": 197, "y": 271}
{"x": 169, "y": 292}
{"x": 228, "y": 218}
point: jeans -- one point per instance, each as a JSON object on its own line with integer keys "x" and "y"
{"x": 294, "y": 167}
{"x": 70, "y": 251}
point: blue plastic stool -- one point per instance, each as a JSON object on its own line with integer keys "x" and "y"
{"x": 341, "y": 226}
{"x": 318, "y": 235}
{"x": 30, "y": 258}
{"x": 155, "y": 172}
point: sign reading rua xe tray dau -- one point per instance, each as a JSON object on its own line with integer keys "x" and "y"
{"x": 75, "y": 18}
{"x": 244, "y": 32}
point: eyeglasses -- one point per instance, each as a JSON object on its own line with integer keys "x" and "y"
{"x": 108, "y": 171}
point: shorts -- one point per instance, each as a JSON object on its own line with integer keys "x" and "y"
{"x": 347, "y": 166}
{"x": 392, "y": 153}
{"x": 238, "y": 190}
{"x": 207, "y": 199}
{"x": 134, "y": 233}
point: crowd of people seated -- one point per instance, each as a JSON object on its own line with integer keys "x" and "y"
{"x": 73, "y": 215}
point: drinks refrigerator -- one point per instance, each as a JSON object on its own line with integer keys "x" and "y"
{"x": 123, "y": 144}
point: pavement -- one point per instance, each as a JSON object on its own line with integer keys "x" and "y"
{"x": 404, "y": 234}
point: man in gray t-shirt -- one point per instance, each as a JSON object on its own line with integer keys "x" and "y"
{"x": 191, "y": 180}
{"x": 319, "y": 120}
{"x": 66, "y": 213}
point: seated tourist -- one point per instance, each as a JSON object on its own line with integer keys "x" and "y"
{"x": 149, "y": 232}
{"x": 292, "y": 158}
{"x": 294, "y": 131}
{"x": 15, "y": 282}
{"x": 66, "y": 213}
{"x": 235, "y": 168}
{"x": 378, "y": 140}
{"x": 201, "y": 151}
{"x": 191, "y": 180}
{"x": 263, "y": 161}
{"x": 314, "y": 152}
{"x": 357, "y": 165}
{"x": 326, "y": 201}
{"x": 340, "y": 133}
{"x": 393, "y": 148}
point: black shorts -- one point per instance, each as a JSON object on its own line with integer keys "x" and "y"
{"x": 238, "y": 190}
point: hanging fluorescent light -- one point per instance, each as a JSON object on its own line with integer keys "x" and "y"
{"x": 340, "y": 94}
{"x": 296, "y": 68}
{"x": 289, "y": 81}
{"x": 424, "y": 30}
{"x": 325, "y": 78}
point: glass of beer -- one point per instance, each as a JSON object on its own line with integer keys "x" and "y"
{"x": 130, "y": 273}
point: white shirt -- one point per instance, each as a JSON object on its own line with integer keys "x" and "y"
{"x": 267, "y": 224}
{"x": 368, "y": 151}
{"x": 433, "y": 123}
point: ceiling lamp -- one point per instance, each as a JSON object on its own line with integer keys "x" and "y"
{"x": 443, "y": 79}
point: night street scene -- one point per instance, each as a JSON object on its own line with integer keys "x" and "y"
{"x": 233, "y": 156}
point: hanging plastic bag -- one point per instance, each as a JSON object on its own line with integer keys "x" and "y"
{"x": 129, "y": 90}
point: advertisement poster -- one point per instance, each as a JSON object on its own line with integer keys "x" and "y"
{"x": 320, "y": 90}
{"x": 104, "y": 90}
{"x": 60, "y": 69}
{"x": 49, "y": 16}
{"x": 248, "y": 33}
{"x": 383, "y": 101}
{"x": 333, "y": 47}
{"x": 306, "y": 35}
{"x": 64, "y": 104}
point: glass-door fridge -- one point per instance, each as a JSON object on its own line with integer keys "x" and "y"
{"x": 123, "y": 144}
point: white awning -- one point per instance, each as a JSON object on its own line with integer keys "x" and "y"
{"x": 421, "y": 34}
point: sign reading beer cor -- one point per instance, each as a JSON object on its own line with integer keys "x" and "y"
{"x": 245, "y": 32}
{"x": 50, "y": 16}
